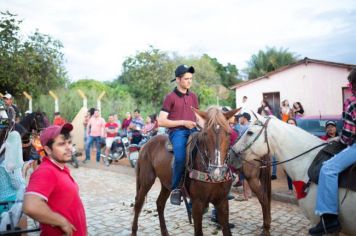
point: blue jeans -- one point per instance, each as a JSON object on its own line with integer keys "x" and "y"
{"x": 179, "y": 139}
{"x": 91, "y": 139}
{"x": 327, "y": 200}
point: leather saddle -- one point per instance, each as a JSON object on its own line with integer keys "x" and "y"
{"x": 347, "y": 178}
{"x": 190, "y": 148}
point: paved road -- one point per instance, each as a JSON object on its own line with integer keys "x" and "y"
{"x": 108, "y": 195}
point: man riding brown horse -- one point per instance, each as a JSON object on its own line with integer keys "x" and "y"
{"x": 207, "y": 178}
{"x": 177, "y": 115}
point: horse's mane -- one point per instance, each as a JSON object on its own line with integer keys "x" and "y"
{"x": 215, "y": 116}
{"x": 296, "y": 132}
{"x": 28, "y": 118}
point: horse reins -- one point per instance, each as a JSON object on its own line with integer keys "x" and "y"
{"x": 269, "y": 164}
{"x": 203, "y": 153}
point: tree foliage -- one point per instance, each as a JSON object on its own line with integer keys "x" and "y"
{"x": 269, "y": 60}
{"x": 147, "y": 75}
{"x": 34, "y": 64}
{"x": 228, "y": 74}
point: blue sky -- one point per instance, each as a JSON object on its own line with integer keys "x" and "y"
{"x": 99, "y": 34}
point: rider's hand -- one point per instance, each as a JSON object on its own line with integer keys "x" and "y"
{"x": 67, "y": 228}
{"x": 189, "y": 124}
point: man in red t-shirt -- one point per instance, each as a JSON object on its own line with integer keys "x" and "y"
{"x": 111, "y": 129}
{"x": 52, "y": 196}
{"x": 58, "y": 120}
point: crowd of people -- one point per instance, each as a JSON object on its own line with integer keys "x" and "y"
{"x": 97, "y": 130}
{"x": 285, "y": 111}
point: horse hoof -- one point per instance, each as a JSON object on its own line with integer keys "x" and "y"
{"x": 265, "y": 234}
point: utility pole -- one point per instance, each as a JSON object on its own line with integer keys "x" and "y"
{"x": 29, "y": 98}
{"x": 56, "y": 108}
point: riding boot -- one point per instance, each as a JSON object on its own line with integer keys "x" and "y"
{"x": 329, "y": 223}
{"x": 214, "y": 216}
{"x": 176, "y": 196}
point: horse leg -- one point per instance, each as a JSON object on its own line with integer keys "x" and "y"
{"x": 197, "y": 209}
{"x": 265, "y": 204}
{"x": 143, "y": 185}
{"x": 161, "y": 204}
{"x": 223, "y": 216}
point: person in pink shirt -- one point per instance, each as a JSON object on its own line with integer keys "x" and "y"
{"x": 95, "y": 131}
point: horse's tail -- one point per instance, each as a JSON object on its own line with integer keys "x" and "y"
{"x": 265, "y": 179}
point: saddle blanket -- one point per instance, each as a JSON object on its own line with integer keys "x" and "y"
{"x": 347, "y": 178}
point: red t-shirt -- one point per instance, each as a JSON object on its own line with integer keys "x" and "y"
{"x": 233, "y": 136}
{"x": 111, "y": 126}
{"x": 179, "y": 106}
{"x": 61, "y": 192}
{"x": 59, "y": 121}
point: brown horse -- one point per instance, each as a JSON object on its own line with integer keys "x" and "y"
{"x": 211, "y": 146}
{"x": 257, "y": 172}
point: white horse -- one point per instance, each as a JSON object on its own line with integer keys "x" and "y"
{"x": 272, "y": 136}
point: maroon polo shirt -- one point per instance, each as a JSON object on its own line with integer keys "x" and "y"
{"x": 179, "y": 106}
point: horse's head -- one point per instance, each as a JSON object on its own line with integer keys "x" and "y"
{"x": 214, "y": 139}
{"x": 253, "y": 144}
{"x": 34, "y": 122}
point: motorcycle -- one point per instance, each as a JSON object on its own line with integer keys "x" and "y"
{"x": 134, "y": 149}
{"x": 75, "y": 154}
{"x": 118, "y": 150}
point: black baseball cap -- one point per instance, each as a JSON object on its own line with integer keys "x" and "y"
{"x": 182, "y": 69}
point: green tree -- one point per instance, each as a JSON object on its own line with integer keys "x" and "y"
{"x": 228, "y": 74}
{"x": 34, "y": 65}
{"x": 147, "y": 75}
{"x": 269, "y": 60}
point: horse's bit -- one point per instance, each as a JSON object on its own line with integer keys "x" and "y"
{"x": 216, "y": 171}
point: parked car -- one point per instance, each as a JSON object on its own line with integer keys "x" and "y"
{"x": 316, "y": 124}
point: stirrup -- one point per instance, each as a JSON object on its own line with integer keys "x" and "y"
{"x": 176, "y": 197}
{"x": 169, "y": 146}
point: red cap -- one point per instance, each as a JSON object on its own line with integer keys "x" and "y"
{"x": 51, "y": 132}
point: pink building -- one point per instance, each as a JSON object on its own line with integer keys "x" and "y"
{"x": 320, "y": 86}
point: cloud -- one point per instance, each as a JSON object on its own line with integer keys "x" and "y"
{"x": 99, "y": 35}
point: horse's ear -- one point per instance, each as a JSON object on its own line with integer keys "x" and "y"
{"x": 201, "y": 117}
{"x": 231, "y": 113}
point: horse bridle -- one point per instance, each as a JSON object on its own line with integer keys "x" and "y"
{"x": 213, "y": 171}
{"x": 269, "y": 163}
{"x": 264, "y": 128}
{"x": 37, "y": 127}
{"x": 204, "y": 155}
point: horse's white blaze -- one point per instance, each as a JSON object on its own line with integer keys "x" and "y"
{"x": 287, "y": 141}
{"x": 217, "y": 158}
{"x": 217, "y": 154}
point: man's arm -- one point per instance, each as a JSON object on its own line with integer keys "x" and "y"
{"x": 88, "y": 127}
{"x": 165, "y": 122}
{"x": 36, "y": 207}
